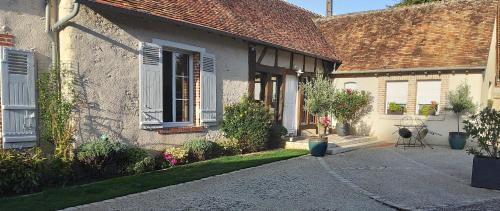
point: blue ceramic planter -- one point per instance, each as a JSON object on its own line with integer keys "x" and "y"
{"x": 318, "y": 146}
{"x": 457, "y": 140}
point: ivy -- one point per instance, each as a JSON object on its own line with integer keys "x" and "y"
{"x": 55, "y": 110}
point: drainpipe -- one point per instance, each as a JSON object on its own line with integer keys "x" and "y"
{"x": 53, "y": 31}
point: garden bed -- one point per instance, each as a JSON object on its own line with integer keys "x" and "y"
{"x": 59, "y": 198}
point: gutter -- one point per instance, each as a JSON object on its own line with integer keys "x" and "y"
{"x": 412, "y": 70}
{"x": 53, "y": 31}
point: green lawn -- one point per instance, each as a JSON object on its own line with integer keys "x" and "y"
{"x": 58, "y": 198}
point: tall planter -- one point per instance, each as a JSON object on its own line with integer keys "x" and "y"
{"x": 486, "y": 173}
{"x": 318, "y": 146}
{"x": 457, "y": 140}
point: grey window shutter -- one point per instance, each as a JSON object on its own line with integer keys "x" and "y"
{"x": 208, "y": 89}
{"x": 151, "y": 86}
{"x": 18, "y": 98}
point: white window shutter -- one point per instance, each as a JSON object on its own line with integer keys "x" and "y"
{"x": 18, "y": 98}
{"x": 151, "y": 86}
{"x": 208, "y": 89}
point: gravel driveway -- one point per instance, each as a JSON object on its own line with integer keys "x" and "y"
{"x": 377, "y": 178}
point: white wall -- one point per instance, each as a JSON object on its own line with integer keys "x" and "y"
{"x": 382, "y": 126}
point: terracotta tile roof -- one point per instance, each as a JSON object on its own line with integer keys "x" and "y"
{"x": 446, "y": 34}
{"x": 272, "y": 22}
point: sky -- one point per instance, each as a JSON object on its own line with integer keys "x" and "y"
{"x": 343, "y": 6}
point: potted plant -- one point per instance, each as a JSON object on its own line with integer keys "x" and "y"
{"x": 319, "y": 97}
{"x": 348, "y": 107}
{"x": 460, "y": 102}
{"x": 395, "y": 109}
{"x": 429, "y": 110}
{"x": 485, "y": 129}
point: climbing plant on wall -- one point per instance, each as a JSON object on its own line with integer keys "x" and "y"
{"x": 55, "y": 110}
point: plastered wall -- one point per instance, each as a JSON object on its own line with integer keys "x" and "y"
{"x": 377, "y": 124}
{"x": 107, "y": 55}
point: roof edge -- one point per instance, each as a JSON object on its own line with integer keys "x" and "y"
{"x": 210, "y": 29}
{"x": 392, "y": 9}
{"x": 409, "y": 70}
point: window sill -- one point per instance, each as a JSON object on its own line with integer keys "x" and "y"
{"x": 180, "y": 130}
{"x": 440, "y": 117}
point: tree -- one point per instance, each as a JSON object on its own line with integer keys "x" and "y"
{"x": 403, "y": 3}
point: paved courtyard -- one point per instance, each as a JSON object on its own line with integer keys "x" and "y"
{"x": 375, "y": 178}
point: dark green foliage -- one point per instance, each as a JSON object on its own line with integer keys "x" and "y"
{"x": 412, "y": 2}
{"x": 200, "y": 149}
{"x": 275, "y": 134}
{"x": 248, "y": 122}
{"x": 104, "y": 158}
{"x": 485, "y": 129}
{"x": 20, "y": 170}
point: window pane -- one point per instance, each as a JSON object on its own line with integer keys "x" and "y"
{"x": 396, "y": 96}
{"x": 182, "y": 61}
{"x": 182, "y": 111}
{"x": 351, "y": 85}
{"x": 428, "y": 97}
{"x": 182, "y": 88}
{"x": 167, "y": 87}
{"x": 258, "y": 87}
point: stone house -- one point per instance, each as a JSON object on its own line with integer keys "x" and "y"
{"x": 154, "y": 72}
{"x": 413, "y": 56}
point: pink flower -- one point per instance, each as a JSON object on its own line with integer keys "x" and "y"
{"x": 349, "y": 91}
{"x": 168, "y": 156}
{"x": 173, "y": 162}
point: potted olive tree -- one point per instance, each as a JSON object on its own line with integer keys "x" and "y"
{"x": 460, "y": 102}
{"x": 319, "y": 95}
{"x": 484, "y": 128}
{"x": 348, "y": 107}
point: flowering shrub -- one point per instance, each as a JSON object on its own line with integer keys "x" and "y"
{"x": 325, "y": 121}
{"x": 170, "y": 158}
{"x": 350, "y": 105}
{"x": 179, "y": 153}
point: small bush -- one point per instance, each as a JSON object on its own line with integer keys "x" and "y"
{"x": 180, "y": 154}
{"x": 275, "y": 134}
{"x": 248, "y": 122}
{"x": 20, "y": 170}
{"x": 200, "y": 149}
{"x": 103, "y": 157}
{"x": 229, "y": 146}
{"x": 145, "y": 165}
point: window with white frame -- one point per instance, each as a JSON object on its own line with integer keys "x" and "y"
{"x": 396, "y": 97}
{"x": 428, "y": 97}
{"x": 351, "y": 85}
{"x": 177, "y": 87}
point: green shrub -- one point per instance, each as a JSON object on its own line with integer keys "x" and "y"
{"x": 248, "y": 122}
{"x": 103, "y": 157}
{"x": 180, "y": 154}
{"x": 20, "y": 170}
{"x": 200, "y": 149}
{"x": 275, "y": 134}
{"x": 484, "y": 128}
{"x": 229, "y": 146}
{"x": 145, "y": 165}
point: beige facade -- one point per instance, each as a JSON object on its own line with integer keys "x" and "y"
{"x": 379, "y": 124}
{"x": 106, "y": 49}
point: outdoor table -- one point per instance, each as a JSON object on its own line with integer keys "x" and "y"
{"x": 417, "y": 139}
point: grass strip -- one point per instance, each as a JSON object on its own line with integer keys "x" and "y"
{"x": 63, "y": 197}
